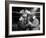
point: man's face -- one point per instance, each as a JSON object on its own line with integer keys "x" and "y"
{"x": 29, "y": 17}
{"x": 24, "y": 17}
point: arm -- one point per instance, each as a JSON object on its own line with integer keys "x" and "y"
{"x": 35, "y": 23}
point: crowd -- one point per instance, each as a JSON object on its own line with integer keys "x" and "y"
{"x": 27, "y": 21}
